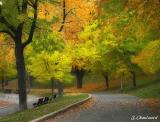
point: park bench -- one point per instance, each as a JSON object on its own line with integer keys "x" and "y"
{"x": 53, "y": 97}
{"x": 45, "y": 100}
{"x": 17, "y": 91}
{"x": 8, "y": 91}
{"x": 40, "y": 102}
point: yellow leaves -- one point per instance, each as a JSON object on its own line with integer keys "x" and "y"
{"x": 47, "y": 66}
{"x": 122, "y": 70}
{"x": 149, "y": 58}
{"x": 1, "y": 37}
{"x": 84, "y": 55}
{"x": 22, "y": 17}
{"x": 6, "y": 57}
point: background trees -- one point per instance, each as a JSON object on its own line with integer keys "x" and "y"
{"x": 6, "y": 61}
{"x": 133, "y": 26}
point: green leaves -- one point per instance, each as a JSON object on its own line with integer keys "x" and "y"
{"x": 49, "y": 43}
{"x": 47, "y": 66}
{"x": 83, "y": 55}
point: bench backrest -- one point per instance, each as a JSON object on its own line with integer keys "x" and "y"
{"x": 40, "y": 101}
{"x": 46, "y": 99}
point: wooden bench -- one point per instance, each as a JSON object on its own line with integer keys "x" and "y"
{"x": 7, "y": 91}
{"x": 40, "y": 102}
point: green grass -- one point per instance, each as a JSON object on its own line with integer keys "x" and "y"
{"x": 151, "y": 91}
{"x": 147, "y": 87}
{"x": 30, "y": 114}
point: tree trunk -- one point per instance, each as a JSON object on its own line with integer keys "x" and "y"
{"x": 134, "y": 79}
{"x": 29, "y": 82}
{"x": 79, "y": 76}
{"x": 60, "y": 88}
{"x": 6, "y": 82}
{"x": 107, "y": 81}
{"x": 20, "y": 64}
{"x": 52, "y": 86}
{"x": 2, "y": 80}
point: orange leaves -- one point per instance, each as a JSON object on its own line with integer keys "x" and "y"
{"x": 47, "y": 11}
{"x": 7, "y": 52}
{"x": 79, "y": 13}
{"x": 82, "y": 12}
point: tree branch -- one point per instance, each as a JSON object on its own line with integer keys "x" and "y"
{"x": 7, "y": 24}
{"x": 33, "y": 24}
{"x": 7, "y": 32}
{"x": 18, "y": 7}
{"x": 64, "y": 16}
{"x": 30, "y": 3}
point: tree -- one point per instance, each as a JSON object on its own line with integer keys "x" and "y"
{"x": 106, "y": 43}
{"x": 54, "y": 61}
{"x": 84, "y": 55}
{"x": 53, "y": 67}
{"x": 14, "y": 24}
{"x": 148, "y": 59}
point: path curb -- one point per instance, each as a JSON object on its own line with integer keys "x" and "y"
{"x": 53, "y": 114}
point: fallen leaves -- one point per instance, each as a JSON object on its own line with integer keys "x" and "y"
{"x": 154, "y": 104}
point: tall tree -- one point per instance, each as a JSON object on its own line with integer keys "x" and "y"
{"x": 51, "y": 67}
{"x": 106, "y": 43}
{"x": 54, "y": 63}
{"x": 84, "y": 55}
{"x": 14, "y": 24}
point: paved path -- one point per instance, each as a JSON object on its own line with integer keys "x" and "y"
{"x": 14, "y": 100}
{"x": 108, "y": 108}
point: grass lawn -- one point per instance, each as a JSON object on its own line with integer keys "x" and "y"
{"x": 30, "y": 114}
{"x": 151, "y": 91}
{"x": 146, "y": 88}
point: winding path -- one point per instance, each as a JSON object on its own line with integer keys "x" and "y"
{"x": 108, "y": 108}
{"x": 13, "y": 99}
